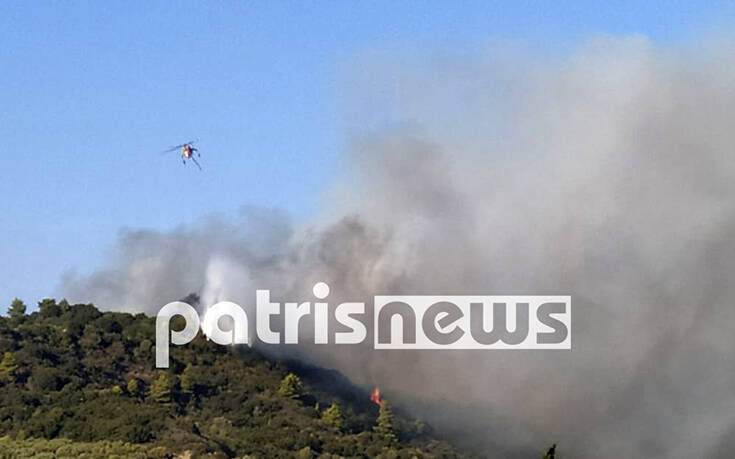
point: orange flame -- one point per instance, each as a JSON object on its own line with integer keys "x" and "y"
{"x": 376, "y": 398}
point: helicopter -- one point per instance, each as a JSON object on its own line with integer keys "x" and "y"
{"x": 187, "y": 152}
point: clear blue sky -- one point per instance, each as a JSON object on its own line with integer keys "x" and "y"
{"x": 91, "y": 91}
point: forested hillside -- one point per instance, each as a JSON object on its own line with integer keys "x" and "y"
{"x": 75, "y": 382}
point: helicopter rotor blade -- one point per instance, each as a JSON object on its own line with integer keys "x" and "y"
{"x": 177, "y": 147}
{"x": 196, "y": 162}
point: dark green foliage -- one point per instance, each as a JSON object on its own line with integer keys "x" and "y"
{"x": 196, "y": 383}
{"x": 78, "y": 383}
{"x": 66, "y": 449}
{"x": 45, "y": 379}
{"x": 48, "y": 308}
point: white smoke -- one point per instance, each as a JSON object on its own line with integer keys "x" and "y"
{"x": 608, "y": 175}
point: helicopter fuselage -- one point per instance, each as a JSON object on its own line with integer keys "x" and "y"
{"x": 187, "y": 151}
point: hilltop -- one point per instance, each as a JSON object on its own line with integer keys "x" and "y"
{"x": 77, "y": 382}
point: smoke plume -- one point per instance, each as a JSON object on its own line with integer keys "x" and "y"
{"x": 607, "y": 174}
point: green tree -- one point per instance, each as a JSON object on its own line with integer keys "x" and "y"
{"x": 8, "y": 367}
{"x": 144, "y": 350}
{"x": 161, "y": 388}
{"x": 333, "y": 416}
{"x": 291, "y": 387}
{"x": 92, "y": 337}
{"x": 384, "y": 427}
{"x": 17, "y": 309}
{"x": 64, "y": 306}
{"x": 45, "y": 379}
{"x": 139, "y": 431}
{"x": 188, "y": 380}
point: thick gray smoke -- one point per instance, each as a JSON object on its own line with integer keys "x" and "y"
{"x": 608, "y": 175}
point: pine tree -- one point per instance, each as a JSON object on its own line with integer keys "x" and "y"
{"x": 291, "y": 387}
{"x": 188, "y": 384}
{"x": 161, "y": 388}
{"x": 8, "y": 367}
{"x": 384, "y": 428}
{"x": 17, "y": 309}
{"x": 333, "y": 416}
